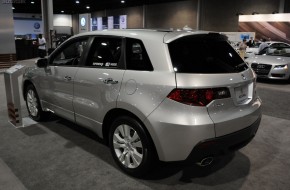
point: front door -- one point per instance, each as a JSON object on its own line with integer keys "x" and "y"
{"x": 61, "y": 72}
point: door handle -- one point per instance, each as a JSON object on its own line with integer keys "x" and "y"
{"x": 67, "y": 78}
{"x": 110, "y": 81}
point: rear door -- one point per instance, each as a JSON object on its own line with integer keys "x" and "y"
{"x": 207, "y": 61}
{"x": 97, "y": 83}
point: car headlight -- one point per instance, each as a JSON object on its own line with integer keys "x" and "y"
{"x": 281, "y": 67}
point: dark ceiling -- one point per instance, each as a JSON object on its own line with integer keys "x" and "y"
{"x": 71, "y": 7}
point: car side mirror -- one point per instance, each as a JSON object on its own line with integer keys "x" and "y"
{"x": 42, "y": 63}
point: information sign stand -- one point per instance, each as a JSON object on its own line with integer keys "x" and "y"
{"x": 12, "y": 94}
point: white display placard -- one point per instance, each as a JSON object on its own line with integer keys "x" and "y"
{"x": 110, "y": 22}
{"x": 84, "y": 22}
{"x": 123, "y": 21}
{"x": 100, "y": 23}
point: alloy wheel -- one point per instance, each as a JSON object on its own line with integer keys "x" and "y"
{"x": 32, "y": 103}
{"x": 128, "y": 146}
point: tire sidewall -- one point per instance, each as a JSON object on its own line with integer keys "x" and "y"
{"x": 146, "y": 163}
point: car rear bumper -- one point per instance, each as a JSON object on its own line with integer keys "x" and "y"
{"x": 177, "y": 129}
{"x": 224, "y": 144}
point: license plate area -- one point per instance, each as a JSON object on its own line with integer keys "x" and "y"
{"x": 244, "y": 94}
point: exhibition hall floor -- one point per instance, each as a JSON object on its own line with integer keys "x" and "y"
{"x": 58, "y": 155}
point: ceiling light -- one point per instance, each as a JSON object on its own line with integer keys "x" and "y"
{"x": 32, "y": 2}
{"x": 13, "y": 8}
{"x": 62, "y": 11}
{"x": 122, "y": 1}
{"x": 88, "y": 7}
{"x": 77, "y": 2}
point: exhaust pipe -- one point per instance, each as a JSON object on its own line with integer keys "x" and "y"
{"x": 205, "y": 161}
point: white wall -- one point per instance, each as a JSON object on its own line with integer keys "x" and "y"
{"x": 62, "y": 20}
{"x": 23, "y": 27}
{"x": 58, "y": 19}
{"x": 24, "y": 23}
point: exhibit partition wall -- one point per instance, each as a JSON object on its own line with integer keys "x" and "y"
{"x": 110, "y": 22}
{"x": 275, "y": 27}
{"x": 7, "y": 47}
{"x": 160, "y": 15}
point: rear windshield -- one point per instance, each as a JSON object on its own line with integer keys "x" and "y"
{"x": 205, "y": 53}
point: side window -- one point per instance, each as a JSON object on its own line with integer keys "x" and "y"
{"x": 136, "y": 56}
{"x": 105, "y": 53}
{"x": 284, "y": 45}
{"x": 274, "y": 45}
{"x": 70, "y": 55}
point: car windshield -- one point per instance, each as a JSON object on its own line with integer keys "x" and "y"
{"x": 205, "y": 53}
{"x": 285, "y": 52}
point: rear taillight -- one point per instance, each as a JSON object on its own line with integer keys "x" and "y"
{"x": 198, "y": 97}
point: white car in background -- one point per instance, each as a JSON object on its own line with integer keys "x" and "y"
{"x": 274, "y": 65}
{"x": 273, "y": 45}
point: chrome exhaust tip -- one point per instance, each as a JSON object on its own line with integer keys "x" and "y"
{"x": 205, "y": 161}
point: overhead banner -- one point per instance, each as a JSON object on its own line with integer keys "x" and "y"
{"x": 94, "y": 24}
{"x": 84, "y": 22}
{"x": 275, "y": 27}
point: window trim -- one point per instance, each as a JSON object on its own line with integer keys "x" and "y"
{"x": 67, "y": 44}
{"x": 143, "y": 46}
{"x": 89, "y": 52}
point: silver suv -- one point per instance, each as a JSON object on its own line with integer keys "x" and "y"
{"x": 167, "y": 95}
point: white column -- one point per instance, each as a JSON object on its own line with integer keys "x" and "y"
{"x": 198, "y": 14}
{"x": 281, "y": 6}
{"x": 47, "y": 18}
{"x": 144, "y": 16}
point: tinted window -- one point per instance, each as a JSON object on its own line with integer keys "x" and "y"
{"x": 205, "y": 53}
{"x": 70, "y": 53}
{"x": 279, "y": 45}
{"x": 136, "y": 56}
{"x": 105, "y": 53}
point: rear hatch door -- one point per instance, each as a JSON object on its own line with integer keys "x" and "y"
{"x": 207, "y": 61}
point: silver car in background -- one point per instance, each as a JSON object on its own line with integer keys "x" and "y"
{"x": 151, "y": 95}
{"x": 274, "y": 65}
{"x": 273, "y": 45}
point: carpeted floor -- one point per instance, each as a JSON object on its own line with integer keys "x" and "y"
{"x": 58, "y": 155}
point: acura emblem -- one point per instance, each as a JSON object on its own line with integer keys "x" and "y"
{"x": 243, "y": 77}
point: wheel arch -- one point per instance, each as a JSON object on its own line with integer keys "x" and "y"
{"x": 117, "y": 112}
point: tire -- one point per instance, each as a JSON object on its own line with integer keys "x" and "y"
{"x": 131, "y": 147}
{"x": 33, "y": 104}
